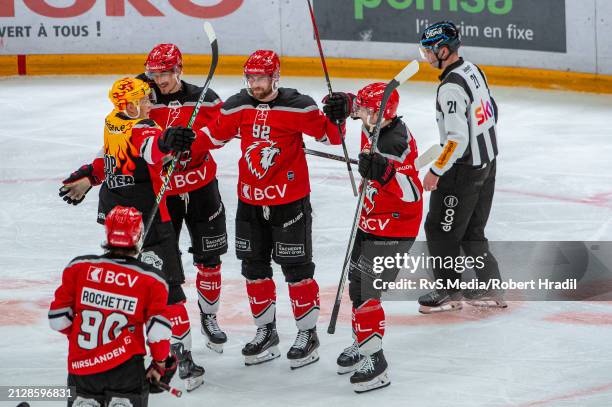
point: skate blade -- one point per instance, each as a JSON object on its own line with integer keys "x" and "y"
{"x": 347, "y": 369}
{"x": 192, "y": 383}
{"x": 217, "y": 347}
{"x": 308, "y": 360}
{"x": 380, "y": 381}
{"x": 449, "y": 306}
{"x": 266, "y": 356}
{"x": 488, "y": 303}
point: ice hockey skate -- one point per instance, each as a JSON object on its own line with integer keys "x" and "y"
{"x": 264, "y": 346}
{"x": 371, "y": 374}
{"x": 304, "y": 350}
{"x": 189, "y": 372}
{"x": 216, "y": 337}
{"x": 349, "y": 359}
{"x": 440, "y": 301}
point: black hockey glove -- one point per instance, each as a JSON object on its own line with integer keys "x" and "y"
{"x": 339, "y": 106}
{"x": 376, "y": 167}
{"x": 176, "y": 139}
{"x": 68, "y": 193}
{"x": 166, "y": 373}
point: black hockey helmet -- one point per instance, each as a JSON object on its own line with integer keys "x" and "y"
{"x": 441, "y": 34}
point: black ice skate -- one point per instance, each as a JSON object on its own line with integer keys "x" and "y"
{"x": 210, "y": 328}
{"x": 371, "y": 374}
{"x": 485, "y": 298}
{"x": 349, "y": 359}
{"x": 440, "y": 301}
{"x": 304, "y": 350}
{"x": 263, "y": 347}
{"x": 189, "y": 372}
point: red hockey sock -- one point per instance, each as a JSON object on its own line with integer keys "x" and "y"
{"x": 208, "y": 282}
{"x": 305, "y": 303}
{"x": 262, "y": 297}
{"x": 370, "y": 326}
{"x": 181, "y": 331}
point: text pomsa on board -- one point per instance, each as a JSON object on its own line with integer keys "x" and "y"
{"x": 116, "y": 8}
{"x": 498, "y": 7}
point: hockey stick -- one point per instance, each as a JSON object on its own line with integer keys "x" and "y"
{"x": 174, "y": 391}
{"x": 329, "y": 155}
{"x": 212, "y": 38}
{"x": 329, "y": 89}
{"x": 410, "y": 70}
{"x": 422, "y": 160}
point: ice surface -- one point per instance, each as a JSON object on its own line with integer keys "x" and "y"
{"x": 554, "y": 183}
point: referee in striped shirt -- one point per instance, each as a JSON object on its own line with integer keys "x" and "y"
{"x": 462, "y": 179}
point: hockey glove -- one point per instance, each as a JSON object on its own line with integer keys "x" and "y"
{"x": 338, "y": 107}
{"x": 76, "y": 186}
{"x": 177, "y": 139}
{"x": 376, "y": 167}
{"x": 166, "y": 373}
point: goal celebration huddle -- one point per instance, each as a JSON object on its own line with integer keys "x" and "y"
{"x": 156, "y": 172}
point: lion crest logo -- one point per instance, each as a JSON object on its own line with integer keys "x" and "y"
{"x": 260, "y": 157}
{"x": 368, "y": 202}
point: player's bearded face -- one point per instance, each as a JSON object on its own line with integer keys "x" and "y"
{"x": 167, "y": 81}
{"x": 260, "y": 85}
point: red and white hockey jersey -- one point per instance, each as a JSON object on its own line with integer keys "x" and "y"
{"x": 102, "y": 306}
{"x": 273, "y": 168}
{"x": 395, "y": 209}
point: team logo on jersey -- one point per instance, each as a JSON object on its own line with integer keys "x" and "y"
{"x": 368, "y": 202}
{"x": 94, "y": 274}
{"x": 151, "y": 258}
{"x": 174, "y": 111}
{"x": 260, "y": 157}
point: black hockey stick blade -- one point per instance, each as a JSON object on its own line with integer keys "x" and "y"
{"x": 212, "y": 38}
{"x": 409, "y": 70}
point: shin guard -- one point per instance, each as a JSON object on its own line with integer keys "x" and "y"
{"x": 305, "y": 303}
{"x": 262, "y": 299}
{"x": 208, "y": 282}
{"x": 370, "y": 326}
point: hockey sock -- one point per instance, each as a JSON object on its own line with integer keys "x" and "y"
{"x": 305, "y": 303}
{"x": 370, "y": 326}
{"x": 208, "y": 282}
{"x": 262, "y": 298}
{"x": 181, "y": 331}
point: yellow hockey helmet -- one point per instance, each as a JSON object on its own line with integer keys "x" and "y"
{"x": 128, "y": 90}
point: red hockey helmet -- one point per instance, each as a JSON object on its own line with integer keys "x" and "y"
{"x": 263, "y": 62}
{"x": 124, "y": 227}
{"x": 163, "y": 58}
{"x": 370, "y": 97}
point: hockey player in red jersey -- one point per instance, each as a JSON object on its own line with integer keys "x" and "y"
{"x": 102, "y": 306}
{"x": 391, "y": 213}
{"x": 193, "y": 194}
{"x": 135, "y": 148}
{"x": 274, "y": 216}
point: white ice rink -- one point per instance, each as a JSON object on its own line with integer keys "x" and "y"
{"x": 554, "y": 183}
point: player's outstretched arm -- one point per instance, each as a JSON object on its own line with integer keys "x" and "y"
{"x": 75, "y": 187}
